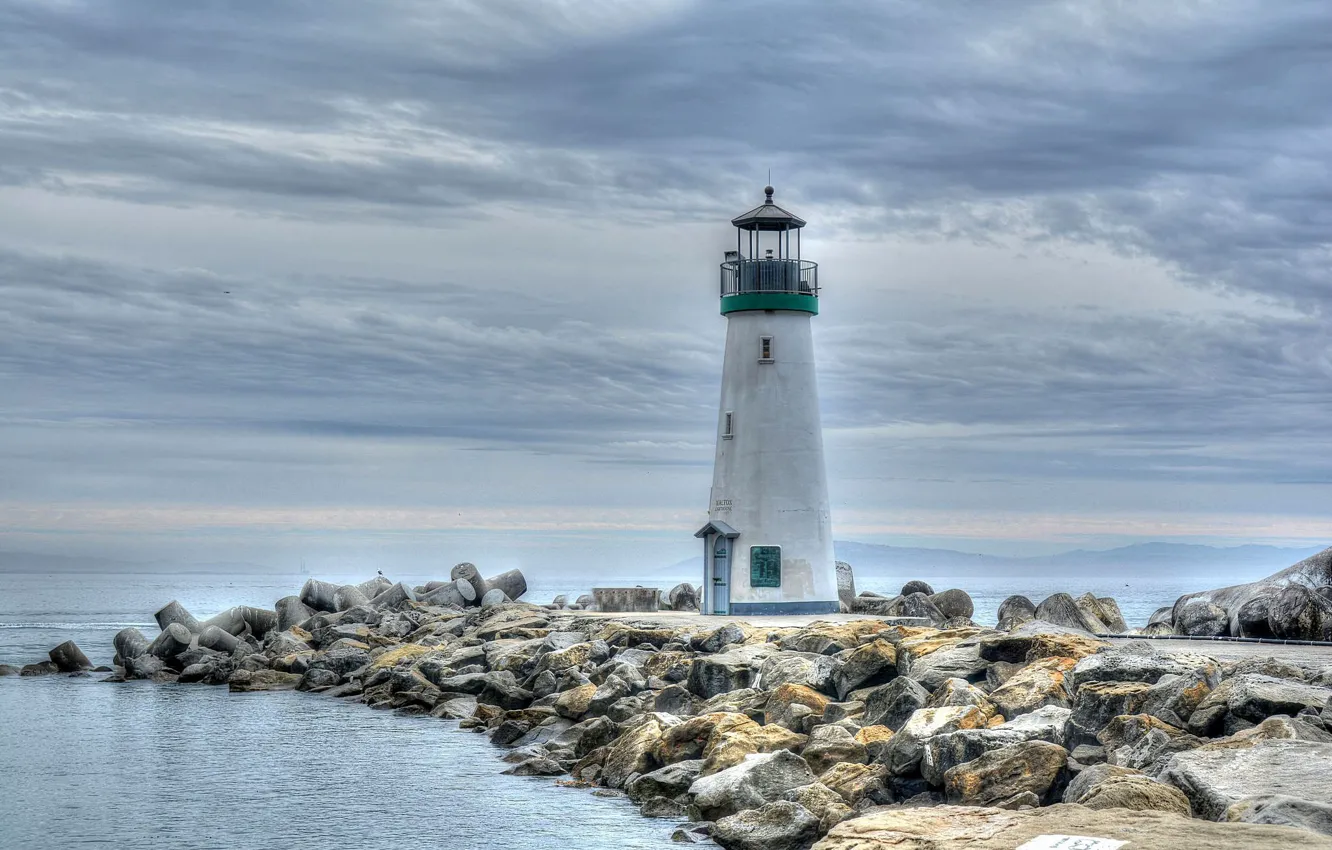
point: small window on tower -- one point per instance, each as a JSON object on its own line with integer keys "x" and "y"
{"x": 728, "y": 425}
{"x": 765, "y": 349}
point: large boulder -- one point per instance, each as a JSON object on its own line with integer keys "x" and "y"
{"x": 1103, "y": 609}
{"x": 822, "y": 802}
{"x": 712, "y": 675}
{"x": 1044, "y": 724}
{"x": 829, "y": 745}
{"x": 1142, "y": 742}
{"x": 946, "y": 751}
{"x": 671, "y": 781}
{"x": 864, "y": 666}
{"x": 1214, "y": 778}
{"x": 779, "y": 825}
{"x": 904, "y": 751}
{"x": 682, "y": 598}
{"x": 954, "y": 603}
{"x": 1140, "y": 793}
{"x": 1251, "y": 698}
{"x": 1025, "y": 774}
{"x": 1039, "y": 639}
{"x": 961, "y": 660}
{"x": 1097, "y": 703}
{"x": 1062, "y": 610}
{"x": 761, "y": 778}
{"x": 893, "y": 704}
{"x": 798, "y": 668}
{"x": 1200, "y": 618}
{"x": 1041, "y": 683}
{"x": 1016, "y": 610}
{"x": 1135, "y": 665}
{"x": 633, "y": 751}
{"x": 978, "y": 828}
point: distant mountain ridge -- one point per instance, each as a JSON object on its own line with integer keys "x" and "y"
{"x": 873, "y": 560}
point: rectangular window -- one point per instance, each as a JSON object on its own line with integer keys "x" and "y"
{"x": 765, "y": 566}
{"x": 765, "y": 349}
{"x": 728, "y": 425}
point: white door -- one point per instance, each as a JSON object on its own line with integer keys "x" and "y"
{"x": 721, "y": 575}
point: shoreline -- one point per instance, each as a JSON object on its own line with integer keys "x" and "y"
{"x": 782, "y": 731}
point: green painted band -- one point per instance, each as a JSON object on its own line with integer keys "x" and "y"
{"x": 769, "y": 301}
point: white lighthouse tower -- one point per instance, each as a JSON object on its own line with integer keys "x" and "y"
{"x": 768, "y": 545}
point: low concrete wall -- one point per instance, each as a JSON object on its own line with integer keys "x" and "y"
{"x": 625, "y": 600}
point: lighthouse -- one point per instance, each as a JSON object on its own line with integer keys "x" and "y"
{"x": 768, "y": 545}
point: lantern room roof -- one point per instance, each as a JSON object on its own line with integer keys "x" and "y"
{"x": 768, "y": 216}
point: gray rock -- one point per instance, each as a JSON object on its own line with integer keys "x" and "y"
{"x": 893, "y": 704}
{"x": 905, "y": 750}
{"x": 846, "y": 584}
{"x": 1297, "y": 612}
{"x": 671, "y": 781}
{"x": 693, "y": 833}
{"x": 953, "y": 603}
{"x": 1026, "y": 774}
{"x": 831, "y": 744}
{"x": 712, "y": 675}
{"x": 1251, "y": 698}
{"x": 1216, "y": 779}
{"x": 1017, "y": 610}
{"x": 962, "y": 661}
{"x": 8, "y": 670}
{"x": 660, "y": 807}
{"x": 916, "y": 586}
{"x": 798, "y": 668}
{"x": 1088, "y": 778}
{"x": 1044, "y": 724}
{"x": 173, "y": 640}
{"x": 1130, "y": 665}
{"x": 675, "y": 699}
{"x": 130, "y": 643}
{"x": 145, "y": 666}
{"x": 1200, "y": 618}
{"x": 349, "y": 596}
{"x": 779, "y": 825}
{"x": 759, "y": 779}
{"x": 243, "y": 619}
{"x": 1062, "y": 610}
{"x": 1174, "y": 697}
{"x": 863, "y": 666}
{"x": 945, "y": 752}
{"x": 502, "y": 689}
{"x": 1281, "y": 810}
{"x": 1312, "y": 572}
{"x": 41, "y": 668}
{"x": 682, "y": 598}
{"x": 1097, "y": 703}
{"x": 719, "y": 638}
{"x": 1142, "y": 742}
{"x": 536, "y": 767}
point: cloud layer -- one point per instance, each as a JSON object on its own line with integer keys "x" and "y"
{"x": 430, "y": 254}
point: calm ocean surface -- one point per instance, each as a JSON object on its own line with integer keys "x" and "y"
{"x": 86, "y": 764}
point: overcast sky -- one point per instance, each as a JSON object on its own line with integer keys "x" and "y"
{"x": 419, "y": 281}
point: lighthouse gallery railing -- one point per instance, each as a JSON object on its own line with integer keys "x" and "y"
{"x": 798, "y": 277}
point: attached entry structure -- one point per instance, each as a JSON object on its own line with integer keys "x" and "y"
{"x": 768, "y": 545}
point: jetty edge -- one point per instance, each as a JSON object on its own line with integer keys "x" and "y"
{"x": 848, "y": 731}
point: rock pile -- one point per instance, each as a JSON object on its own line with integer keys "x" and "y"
{"x": 1293, "y": 604}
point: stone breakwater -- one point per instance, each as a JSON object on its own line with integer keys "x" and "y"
{"x": 852, "y": 732}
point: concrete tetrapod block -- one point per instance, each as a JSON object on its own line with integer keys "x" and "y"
{"x": 319, "y": 595}
{"x": 445, "y": 595}
{"x": 512, "y": 583}
{"x": 394, "y": 597}
{"x": 174, "y": 612}
{"x": 349, "y": 596}
{"x": 173, "y": 640}
{"x": 69, "y": 658}
{"x": 494, "y": 597}
{"x": 130, "y": 643}
{"x": 469, "y": 573}
{"x": 215, "y": 638}
{"x": 235, "y": 621}
{"x": 292, "y": 611}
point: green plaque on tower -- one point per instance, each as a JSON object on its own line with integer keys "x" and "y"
{"x": 765, "y": 566}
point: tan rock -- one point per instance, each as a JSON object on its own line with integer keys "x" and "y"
{"x": 785, "y": 696}
{"x": 632, "y": 752}
{"x": 1140, "y": 793}
{"x": 853, "y": 782}
{"x": 821, "y": 802}
{"x": 689, "y": 739}
{"x": 729, "y": 748}
{"x": 563, "y": 659}
{"x": 1022, "y": 774}
{"x": 829, "y": 745}
{"x": 400, "y": 654}
{"x": 1042, "y": 682}
{"x": 968, "y": 828}
{"x": 574, "y": 702}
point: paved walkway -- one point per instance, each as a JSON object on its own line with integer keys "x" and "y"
{"x": 1219, "y": 649}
